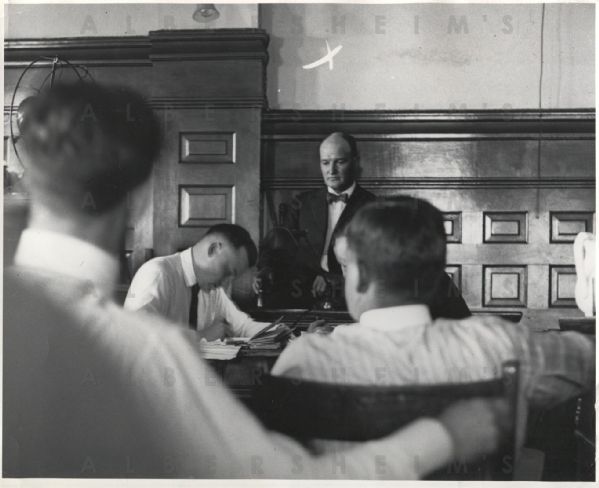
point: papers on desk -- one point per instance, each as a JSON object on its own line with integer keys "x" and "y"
{"x": 270, "y": 337}
{"x": 218, "y": 350}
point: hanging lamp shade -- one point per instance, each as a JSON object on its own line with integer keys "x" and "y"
{"x": 205, "y": 12}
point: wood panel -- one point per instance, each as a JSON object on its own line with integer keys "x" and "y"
{"x": 504, "y": 286}
{"x": 561, "y": 286}
{"x": 566, "y": 225}
{"x": 453, "y": 226}
{"x": 204, "y": 205}
{"x": 207, "y": 148}
{"x": 517, "y": 184}
{"x": 510, "y": 227}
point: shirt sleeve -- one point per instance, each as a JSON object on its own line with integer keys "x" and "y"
{"x": 561, "y": 367}
{"x": 148, "y": 290}
{"x": 239, "y": 324}
{"x": 292, "y": 360}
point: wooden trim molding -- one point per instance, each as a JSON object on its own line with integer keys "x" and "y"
{"x": 163, "y": 45}
{"x": 173, "y": 45}
{"x": 179, "y": 103}
{"x": 91, "y": 51}
{"x": 164, "y": 103}
{"x": 434, "y": 183}
{"x": 430, "y": 125}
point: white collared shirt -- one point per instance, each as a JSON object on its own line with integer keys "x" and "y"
{"x": 403, "y": 345}
{"x": 335, "y": 209}
{"x": 67, "y": 255}
{"x": 163, "y": 286}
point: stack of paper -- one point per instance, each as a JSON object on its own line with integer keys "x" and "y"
{"x": 218, "y": 350}
{"x": 269, "y": 340}
{"x": 271, "y": 337}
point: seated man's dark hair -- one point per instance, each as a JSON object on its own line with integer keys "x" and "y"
{"x": 400, "y": 244}
{"x": 238, "y": 237}
{"x": 88, "y": 145}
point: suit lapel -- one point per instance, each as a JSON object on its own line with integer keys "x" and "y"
{"x": 353, "y": 204}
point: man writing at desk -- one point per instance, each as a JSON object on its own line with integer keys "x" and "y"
{"x": 187, "y": 287}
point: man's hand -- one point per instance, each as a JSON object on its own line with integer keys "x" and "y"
{"x": 257, "y": 285}
{"x": 476, "y": 426}
{"x": 319, "y": 286}
{"x": 319, "y": 327}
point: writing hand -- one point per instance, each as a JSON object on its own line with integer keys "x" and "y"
{"x": 319, "y": 286}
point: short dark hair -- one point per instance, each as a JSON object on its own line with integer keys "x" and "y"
{"x": 351, "y": 142}
{"x": 238, "y": 237}
{"x": 89, "y": 144}
{"x": 399, "y": 243}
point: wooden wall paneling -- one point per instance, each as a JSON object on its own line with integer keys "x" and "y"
{"x": 210, "y": 87}
{"x": 207, "y": 148}
{"x": 564, "y": 226}
{"x": 482, "y": 165}
{"x": 562, "y": 281}
{"x": 509, "y": 227}
{"x": 453, "y": 226}
{"x": 455, "y": 273}
{"x": 190, "y": 197}
{"x": 505, "y": 286}
{"x": 472, "y": 277}
{"x": 538, "y": 278}
{"x": 206, "y": 205}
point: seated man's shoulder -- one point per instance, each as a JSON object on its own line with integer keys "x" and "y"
{"x": 310, "y": 344}
{"x": 156, "y": 266}
{"x": 478, "y": 327}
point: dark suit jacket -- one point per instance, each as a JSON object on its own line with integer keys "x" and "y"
{"x": 312, "y": 221}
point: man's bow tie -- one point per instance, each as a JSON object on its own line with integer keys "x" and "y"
{"x": 331, "y": 198}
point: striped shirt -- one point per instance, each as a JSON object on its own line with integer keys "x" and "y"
{"x": 403, "y": 345}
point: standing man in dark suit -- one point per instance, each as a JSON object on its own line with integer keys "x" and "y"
{"x": 321, "y": 212}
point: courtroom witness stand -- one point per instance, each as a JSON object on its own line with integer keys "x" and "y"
{"x": 315, "y": 214}
{"x": 318, "y": 216}
{"x": 394, "y": 254}
{"x": 92, "y": 390}
{"x": 187, "y": 287}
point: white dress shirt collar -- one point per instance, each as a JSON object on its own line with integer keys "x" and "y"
{"x": 395, "y": 318}
{"x": 67, "y": 255}
{"x": 348, "y": 192}
{"x": 187, "y": 264}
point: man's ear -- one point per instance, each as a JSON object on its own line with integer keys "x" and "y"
{"x": 214, "y": 248}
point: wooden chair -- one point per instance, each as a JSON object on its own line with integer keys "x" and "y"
{"x": 309, "y": 410}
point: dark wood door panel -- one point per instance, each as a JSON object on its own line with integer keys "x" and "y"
{"x": 191, "y": 196}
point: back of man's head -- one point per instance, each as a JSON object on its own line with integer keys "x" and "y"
{"x": 238, "y": 237}
{"x": 87, "y": 146}
{"x": 400, "y": 245}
